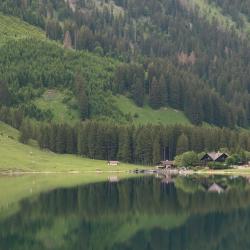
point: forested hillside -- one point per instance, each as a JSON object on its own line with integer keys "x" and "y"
{"x": 190, "y": 55}
{"x": 126, "y": 63}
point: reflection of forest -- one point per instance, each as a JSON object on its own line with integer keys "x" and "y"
{"x": 143, "y": 213}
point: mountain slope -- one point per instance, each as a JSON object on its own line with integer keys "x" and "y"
{"x": 12, "y": 28}
{"x": 18, "y": 157}
{"x": 33, "y": 68}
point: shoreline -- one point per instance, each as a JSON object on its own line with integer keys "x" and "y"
{"x": 132, "y": 171}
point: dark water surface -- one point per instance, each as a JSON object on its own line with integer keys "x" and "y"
{"x": 181, "y": 213}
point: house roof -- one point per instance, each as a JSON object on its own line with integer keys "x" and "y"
{"x": 214, "y": 155}
{"x": 167, "y": 162}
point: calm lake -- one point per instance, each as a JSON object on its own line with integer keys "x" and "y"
{"x": 141, "y": 213}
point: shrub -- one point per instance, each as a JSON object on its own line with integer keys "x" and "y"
{"x": 187, "y": 159}
{"x": 217, "y": 165}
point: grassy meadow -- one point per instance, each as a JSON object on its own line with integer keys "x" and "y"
{"x": 54, "y": 101}
{"x": 146, "y": 114}
{"x": 17, "y": 157}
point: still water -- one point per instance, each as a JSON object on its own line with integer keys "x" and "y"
{"x": 144, "y": 213}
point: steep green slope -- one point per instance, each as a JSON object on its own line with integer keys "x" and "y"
{"x": 15, "y": 156}
{"x": 146, "y": 114}
{"x": 41, "y": 74}
{"x": 61, "y": 104}
{"x": 12, "y": 28}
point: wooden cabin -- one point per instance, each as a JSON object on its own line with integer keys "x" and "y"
{"x": 113, "y": 163}
{"x": 165, "y": 164}
{"x": 214, "y": 157}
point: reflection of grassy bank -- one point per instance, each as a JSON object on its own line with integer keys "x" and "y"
{"x": 104, "y": 215}
{"x": 14, "y": 189}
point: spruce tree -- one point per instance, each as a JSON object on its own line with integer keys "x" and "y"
{"x": 138, "y": 92}
{"x": 4, "y": 94}
{"x": 82, "y": 97}
{"x": 182, "y": 144}
{"x": 124, "y": 152}
{"x": 25, "y": 132}
{"x": 156, "y": 151}
{"x": 155, "y": 95}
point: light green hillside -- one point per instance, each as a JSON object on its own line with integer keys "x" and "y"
{"x": 144, "y": 115}
{"x": 12, "y": 28}
{"x": 15, "y": 156}
{"x": 62, "y": 105}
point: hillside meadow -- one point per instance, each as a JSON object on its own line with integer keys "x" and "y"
{"x": 17, "y": 157}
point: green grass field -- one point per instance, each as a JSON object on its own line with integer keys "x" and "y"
{"x": 18, "y": 157}
{"x": 53, "y": 100}
{"x": 144, "y": 115}
{"x": 12, "y": 28}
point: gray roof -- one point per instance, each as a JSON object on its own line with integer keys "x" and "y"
{"x": 215, "y": 155}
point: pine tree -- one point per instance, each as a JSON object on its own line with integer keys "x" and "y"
{"x": 70, "y": 142}
{"x": 156, "y": 151}
{"x": 182, "y": 144}
{"x": 124, "y": 152}
{"x": 61, "y": 139}
{"x": 25, "y": 132}
{"x": 82, "y": 97}
{"x": 4, "y": 94}
{"x": 155, "y": 96}
{"x": 138, "y": 92}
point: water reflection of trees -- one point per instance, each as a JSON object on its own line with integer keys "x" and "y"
{"x": 178, "y": 215}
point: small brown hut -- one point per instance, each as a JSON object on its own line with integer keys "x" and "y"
{"x": 113, "y": 163}
{"x": 165, "y": 164}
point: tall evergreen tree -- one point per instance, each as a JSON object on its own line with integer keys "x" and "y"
{"x": 4, "y": 94}
{"x": 125, "y": 152}
{"x": 138, "y": 91}
{"x": 182, "y": 144}
{"x": 25, "y": 131}
{"x": 82, "y": 97}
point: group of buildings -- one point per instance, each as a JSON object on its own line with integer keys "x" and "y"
{"x": 205, "y": 159}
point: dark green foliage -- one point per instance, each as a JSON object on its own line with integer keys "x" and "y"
{"x": 5, "y": 98}
{"x": 182, "y": 144}
{"x": 82, "y": 97}
{"x": 187, "y": 159}
{"x": 143, "y": 145}
{"x": 199, "y": 68}
{"x": 217, "y": 165}
{"x": 125, "y": 151}
{"x": 25, "y": 131}
{"x": 54, "y": 30}
{"x": 28, "y": 66}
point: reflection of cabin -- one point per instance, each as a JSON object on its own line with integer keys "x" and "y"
{"x": 113, "y": 163}
{"x": 215, "y": 188}
{"x": 214, "y": 157}
{"x": 167, "y": 180}
{"x": 113, "y": 179}
{"x": 165, "y": 164}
